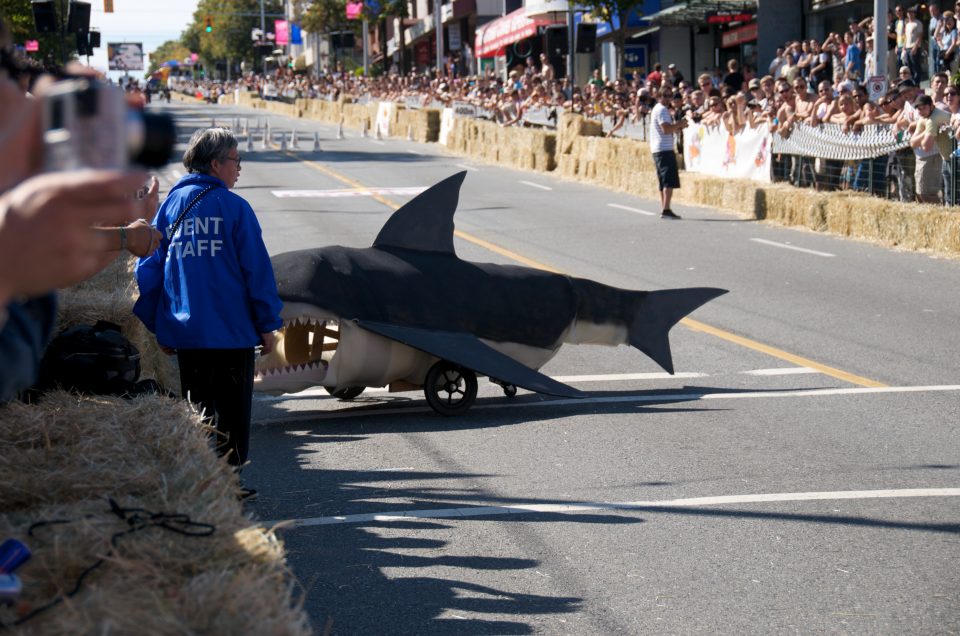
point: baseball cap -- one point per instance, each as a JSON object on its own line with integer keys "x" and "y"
{"x": 672, "y": 66}
{"x": 754, "y": 83}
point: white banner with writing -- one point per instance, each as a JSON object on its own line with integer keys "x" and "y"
{"x": 385, "y": 114}
{"x": 714, "y": 151}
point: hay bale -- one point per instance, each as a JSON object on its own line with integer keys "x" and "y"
{"x": 59, "y": 460}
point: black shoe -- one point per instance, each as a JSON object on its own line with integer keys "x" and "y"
{"x": 246, "y": 494}
{"x": 669, "y": 214}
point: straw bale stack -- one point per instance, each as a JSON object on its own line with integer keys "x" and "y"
{"x": 322, "y": 110}
{"x": 572, "y": 127}
{"x": 359, "y": 116}
{"x": 110, "y": 296}
{"x": 526, "y": 148}
{"x": 61, "y": 460}
{"x": 248, "y": 98}
{"x": 907, "y": 225}
{"x": 424, "y": 123}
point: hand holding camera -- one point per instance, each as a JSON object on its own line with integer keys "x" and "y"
{"x": 47, "y": 234}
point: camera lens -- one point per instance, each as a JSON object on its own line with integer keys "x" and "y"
{"x": 159, "y": 138}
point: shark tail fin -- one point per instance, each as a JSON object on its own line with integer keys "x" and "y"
{"x": 658, "y": 312}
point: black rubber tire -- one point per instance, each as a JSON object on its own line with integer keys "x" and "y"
{"x": 450, "y": 389}
{"x": 345, "y": 393}
{"x": 510, "y": 390}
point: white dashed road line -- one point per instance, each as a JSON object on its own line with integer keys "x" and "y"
{"x": 787, "y": 246}
{"x": 466, "y": 167}
{"x": 344, "y": 192}
{"x": 638, "y": 506}
{"x": 629, "y": 209}
{"x": 782, "y": 371}
{"x": 536, "y": 185}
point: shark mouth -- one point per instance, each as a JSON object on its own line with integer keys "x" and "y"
{"x": 304, "y": 348}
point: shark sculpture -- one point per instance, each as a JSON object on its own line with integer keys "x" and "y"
{"x": 408, "y": 313}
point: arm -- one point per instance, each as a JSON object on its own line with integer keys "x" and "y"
{"x": 47, "y": 238}
{"x": 257, "y": 271}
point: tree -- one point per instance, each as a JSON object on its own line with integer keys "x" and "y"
{"x": 232, "y": 22}
{"x": 605, "y": 10}
{"x": 18, "y": 16}
{"x": 169, "y": 50}
{"x": 390, "y": 9}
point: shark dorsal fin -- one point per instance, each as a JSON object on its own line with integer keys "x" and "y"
{"x": 425, "y": 223}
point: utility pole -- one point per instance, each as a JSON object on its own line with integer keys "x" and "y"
{"x": 263, "y": 35}
{"x": 438, "y": 26}
{"x": 880, "y": 43}
{"x": 366, "y": 46}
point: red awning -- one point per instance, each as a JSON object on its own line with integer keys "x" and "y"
{"x": 492, "y": 37}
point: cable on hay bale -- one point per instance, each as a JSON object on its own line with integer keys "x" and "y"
{"x": 169, "y": 552}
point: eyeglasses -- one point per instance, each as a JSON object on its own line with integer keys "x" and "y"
{"x": 237, "y": 159}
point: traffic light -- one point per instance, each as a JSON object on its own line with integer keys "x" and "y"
{"x": 208, "y": 22}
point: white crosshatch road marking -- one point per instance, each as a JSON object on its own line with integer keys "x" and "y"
{"x": 346, "y": 192}
{"x": 627, "y": 506}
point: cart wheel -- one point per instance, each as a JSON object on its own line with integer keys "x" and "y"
{"x": 345, "y": 393}
{"x": 449, "y": 389}
{"x": 510, "y": 390}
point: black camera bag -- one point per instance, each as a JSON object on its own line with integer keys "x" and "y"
{"x": 95, "y": 359}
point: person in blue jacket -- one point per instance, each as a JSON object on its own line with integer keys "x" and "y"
{"x": 208, "y": 291}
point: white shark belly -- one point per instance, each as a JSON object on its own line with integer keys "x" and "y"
{"x": 586, "y": 332}
{"x": 364, "y": 358}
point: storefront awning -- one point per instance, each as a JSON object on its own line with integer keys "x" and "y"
{"x": 696, "y": 12}
{"x": 492, "y": 37}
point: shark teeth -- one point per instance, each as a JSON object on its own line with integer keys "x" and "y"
{"x": 307, "y": 321}
{"x": 291, "y": 369}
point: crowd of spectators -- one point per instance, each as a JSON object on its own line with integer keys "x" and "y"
{"x": 810, "y": 81}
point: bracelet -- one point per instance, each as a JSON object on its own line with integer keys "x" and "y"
{"x": 123, "y": 238}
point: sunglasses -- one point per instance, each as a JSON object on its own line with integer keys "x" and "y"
{"x": 949, "y": 94}
{"x": 785, "y": 91}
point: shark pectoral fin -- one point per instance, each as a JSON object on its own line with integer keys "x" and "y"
{"x": 659, "y": 311}
{"x": 468, "y": 351}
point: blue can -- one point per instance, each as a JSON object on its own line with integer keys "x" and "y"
{"x": 13, "y": 554}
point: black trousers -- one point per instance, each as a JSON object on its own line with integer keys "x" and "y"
{"x": 220, "y": 382}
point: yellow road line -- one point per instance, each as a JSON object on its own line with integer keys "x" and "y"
{"x": 690, "y": 323}
{"x": 696, "y": 325}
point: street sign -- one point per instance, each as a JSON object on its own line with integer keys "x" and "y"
{"x": 634, "y": 58}
{"x": 877, "y": 87}
{"x": 726, "y": 17}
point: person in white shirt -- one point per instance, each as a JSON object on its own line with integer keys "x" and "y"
{"x": 662, "y": 145}
{"x": 912, "y": 41}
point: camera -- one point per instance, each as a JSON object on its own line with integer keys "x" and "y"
{"x": 88, "y": 124}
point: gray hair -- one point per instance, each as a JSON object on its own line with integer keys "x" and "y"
{"x": 207, "y": 145}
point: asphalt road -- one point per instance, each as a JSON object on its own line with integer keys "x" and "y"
{"x": 799, "y": 474}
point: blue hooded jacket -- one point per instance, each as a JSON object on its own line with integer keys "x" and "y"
{"x": 211, "y": 285}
